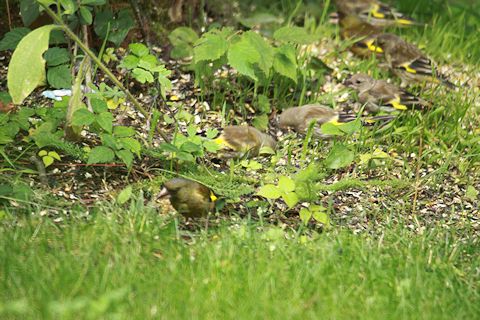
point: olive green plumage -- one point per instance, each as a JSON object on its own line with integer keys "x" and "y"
{"x": 363, "y": 33}
{"x": 243, "y": 141}
{"x": 189, "y": 198}
{"x": 379, "y": 95}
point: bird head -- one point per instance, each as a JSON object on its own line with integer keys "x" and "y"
{"x": 172, "y": 186}
{"x": 386, "y": 41}
{"x": 358, "y": 81}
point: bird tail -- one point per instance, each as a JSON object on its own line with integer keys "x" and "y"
{"x": 446, "y": 82}
{"x": 381, "y": 120}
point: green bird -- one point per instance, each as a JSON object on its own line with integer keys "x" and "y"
{"x": 190, "y": 198}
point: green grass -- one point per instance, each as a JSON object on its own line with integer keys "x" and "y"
{"x": 131, "y": 265}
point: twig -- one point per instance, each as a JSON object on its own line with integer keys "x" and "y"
{"x": 42, "y": 175}
{"x": 8, "y": 15}
{"x": 417, "y": 171}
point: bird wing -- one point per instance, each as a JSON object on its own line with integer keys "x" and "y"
{"x": 382, "y": 12}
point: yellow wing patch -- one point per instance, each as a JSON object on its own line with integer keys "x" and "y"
{"x": 396, "y": 104}
{"x": 407, "y": 68}
{"x": 375, "y": 13}
{"x": 372, "y": 47}
{"x": 222, "y": 142}
{"x": 404, "y": 21}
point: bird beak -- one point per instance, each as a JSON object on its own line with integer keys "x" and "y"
{"x": 347, "y": 82}
{"x": 163, "y": 193}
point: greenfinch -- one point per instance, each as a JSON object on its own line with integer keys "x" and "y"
{"x": 373, "y": 12}
{"x": 362, "y": 33}
{"x": 244, "y": 141}
{"x": 190, "y": 198}
{"x": 408, "y": 62}
{"x": 379, "y": 95}
{"x": 299, "y": 119}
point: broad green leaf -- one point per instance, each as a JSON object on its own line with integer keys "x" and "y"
{"x": 47, "y": 160}
{"x": 321, "y": 216}
{"x": 291, "y": 199}
{"x": 98, "y": 105}
{"x": 131, "y": 144}
{"x": 60, "y": 76}
{"x": 105, "y": 121}
{"x": 286, "y": 184}
{"x": 211, "y": 146}
{"x": 68, "y": 6}
{"x": 148, "y": 62}
{"x": 269, "y": 191}
{"x": 29, "y": 11}
{"x": 83, "y": 117}
{"x": 209, "y": 47}
{"x": 129, "y": 62}
{"x": 340, "y": 156}
{"x": 261, "y": 122}
{"x": 191, "y": 147}
{"x": 109, "y": 141}
{"x": 265, "y": 50}
{"x": 294, "y": 34}
{"x": 86, "y": 15}
{"x": 118, "y": 26}
{"x": 42, "y": 153}
{"x": 182, "y": 36}
{"x": 331, "y": 129}
{"x": 56, "y": 56}
{"x": 142, "y": 75}
{"x": 26, "y": 70}
{"x": 242, "y": 55}
{"x": 100, "y": 154}
{"x": 350, "y": 127}
{"x": 124, "y": 195}
{"x": 126, "y": 156}
{"x": 305, "y": 215}
{"x": 138, "y": 49}
{"x": 471, "y": 193}
{"x": 12, "y": 38}
{"x": 181, "y": 51}
{"x": 122, "y": 131}
{"x": 54, "y": 155}
{"x": 285, "y": 62}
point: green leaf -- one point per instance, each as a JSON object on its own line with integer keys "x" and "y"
{"x": 131, "y": 144}
{"x": 118, "y": 27}
{"x": 261, "y": 122}
{"x": 12, "y": 38}
{"x": 148, "y": 62}
{"x": 322, "y": 217}
{"x": 60, "y": 76}
{"x": 26, "y": 70}
{"x": 122, "y": 131}
{"x": 100, "y": 154}
{"x": 129, "y": 62}
{"x": 181, "y": 51}
{"x": 269, "y": 191}
{"x": 142, "y": 75}
{"x": 266, "y": 51}
{"x": 286, "y": 184}
{"x": 126, "y": 156}
{"x": 56, "y": 56}
{"x": 124, "y": 195}
{"x": 185, "y": 156}
{"x": 291, "y": 199}
{"x": 263, "y": 104}
{"x": 109, "y": 141}
{"x": 471, "y": 193}
{"x": 83, "y": 117}
{"x": 294, "y": 34}
{"x": 86, "y": 15}
{"x": 54, "y": 155}
{"x": 138, "y": 49}
{"x": 93, "y": 2}
{"x": 182, "y": 36}
{"x": 350, "y": 127}
{"x": 209, "y": 47}
{"x": 29, "y": 11}
{"x": 105, "y": 121}
{"x": 331, "y": 129}
{"x": 242, "y": 55}
{"x": 98, "y": 105}
{"x": 68, "y": 6}
{"x": 305, "y": 215}
{"x": 285, "y": 62}
{"x": 47, "y": 160}
{"x": 340, "y": 156}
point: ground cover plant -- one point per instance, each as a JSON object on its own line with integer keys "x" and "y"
{"x": 380, "y": 220}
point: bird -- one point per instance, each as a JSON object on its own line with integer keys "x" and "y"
{"x": 190, "y": 198}
{"x": 244, "y": 141}
{"x": 362, "y": 33}
{"x": 299, "y": 119}
{"x": 379, "y": 95}
{"x": 408, "y": 62}
{"x": 374, "y": 12}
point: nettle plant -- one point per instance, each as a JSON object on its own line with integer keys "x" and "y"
{"x": 257, "y": 60}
